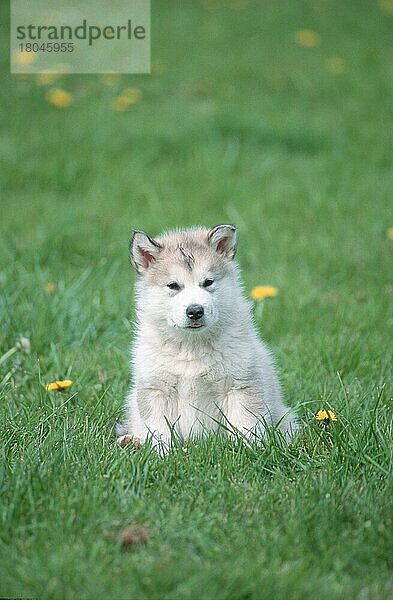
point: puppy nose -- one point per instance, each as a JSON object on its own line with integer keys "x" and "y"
{"x": 194, "y": 311}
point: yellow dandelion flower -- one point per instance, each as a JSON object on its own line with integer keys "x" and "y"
{"x": 307, "y": 38}
{"x": 336, "y": 65}
{"x": 23, "y": 59}
{"x": 133, "y": 94}
{"x": 238, "y": 4}
{"x": 158, "y": 67}
{"x": 59, "y": 98}
{"x": 386, "y": 6}
{"x": 50, "y": 287}
{"x": 390, "y": 233}
{"x": 260, "y": 292}
{"x": 277, "y": 81}
{"x": 128, "y": 98}
{"x": 110, "y": 78}
{"x": 121, "y": 104}
{"x": 46, "y": 77}
{"x": 59, "y": 385}
{"x": 325, "y": 415}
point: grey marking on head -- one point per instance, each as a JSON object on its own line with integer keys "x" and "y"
{"x": 188, "y": 257}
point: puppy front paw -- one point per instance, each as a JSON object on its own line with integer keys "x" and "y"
{"x": 125, "y": 440}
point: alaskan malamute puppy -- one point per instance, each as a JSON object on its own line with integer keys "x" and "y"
{"x": 198, "y": 364}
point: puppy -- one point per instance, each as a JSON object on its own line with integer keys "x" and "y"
{"x": 198, "y": 364}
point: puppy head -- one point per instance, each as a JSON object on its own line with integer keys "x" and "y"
{"x": 186, "y": 277}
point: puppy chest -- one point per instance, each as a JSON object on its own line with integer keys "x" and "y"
{"x": 194, "y": 398}
{"x": 202, "y": 393}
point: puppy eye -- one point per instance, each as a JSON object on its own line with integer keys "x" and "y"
{"x": 173, "y": 285}
{"x": 208, "y": 282}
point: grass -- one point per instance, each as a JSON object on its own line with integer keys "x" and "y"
{"x": 240, "y": 125}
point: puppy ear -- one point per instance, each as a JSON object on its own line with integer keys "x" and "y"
{"x": 223, "y": 239}
{"x": 143, "y": 251}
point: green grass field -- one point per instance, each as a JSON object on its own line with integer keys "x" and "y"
{"x": 239, "y": 122}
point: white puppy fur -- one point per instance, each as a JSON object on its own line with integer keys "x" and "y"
{"x": 192, "y": 372}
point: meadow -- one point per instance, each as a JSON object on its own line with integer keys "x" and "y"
{"x": 276, "y": 116}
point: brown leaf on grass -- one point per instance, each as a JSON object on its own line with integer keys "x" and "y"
{"x": 133, "y": 535}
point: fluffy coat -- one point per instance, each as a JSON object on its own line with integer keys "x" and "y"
{"x": 195, "y": 373}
